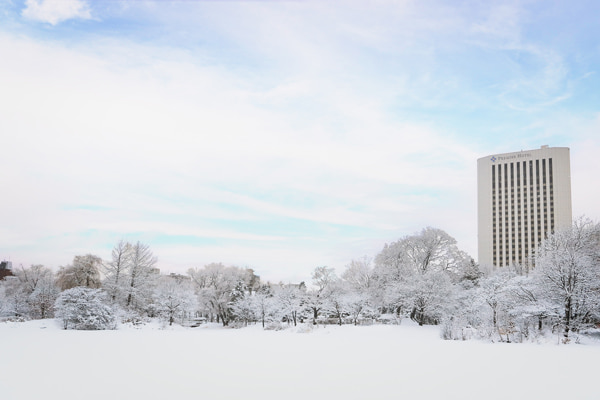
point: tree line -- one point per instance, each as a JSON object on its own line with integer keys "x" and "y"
{"x": 423, "y": 276}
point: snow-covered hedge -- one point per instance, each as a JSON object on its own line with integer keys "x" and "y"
{"x": 84, "y": 309}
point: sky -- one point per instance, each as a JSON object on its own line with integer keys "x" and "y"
{"x": 278, "y": 135}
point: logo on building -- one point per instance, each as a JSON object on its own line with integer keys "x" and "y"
{"x": 493, "y": 159}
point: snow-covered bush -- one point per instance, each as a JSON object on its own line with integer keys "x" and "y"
{"x": 276, "y": 326}
{"x": 85, "y": 309}
{"x": 305, "y": 327}
{"x": 456, "y": 328}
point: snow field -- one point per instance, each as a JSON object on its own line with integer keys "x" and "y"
{"x": 38, "y": 360}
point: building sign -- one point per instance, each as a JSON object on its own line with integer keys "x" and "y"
{"x": 510, "y": 157}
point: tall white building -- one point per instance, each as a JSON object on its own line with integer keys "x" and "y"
{"x": 522, "y": 197}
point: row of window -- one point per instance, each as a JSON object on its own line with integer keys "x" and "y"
{"x": 515, "y": 246}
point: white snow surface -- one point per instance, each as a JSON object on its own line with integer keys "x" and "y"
{"x": 39, "y": 360}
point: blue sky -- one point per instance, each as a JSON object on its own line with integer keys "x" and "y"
{"x": 278, "y": 135}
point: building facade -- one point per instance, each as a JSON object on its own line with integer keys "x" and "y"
{"x": 522, "y": 198}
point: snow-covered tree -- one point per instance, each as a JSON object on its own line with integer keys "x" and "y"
{"x": 359, "y": 283}
{"x": 529, "y": 307}
{"x": 84, "y": 309}
{"x": 496, "y": 293}
{"x": 15, "y": 298}
{"x": 3, "y": 302}
{"x": 131, "y": 276}
{"x": 117, "y": 270}
{"x": 567, "y": 266}
{"x": 36, "y": 283}
{"x": 464, "y": 316}
{"x": 42, "y": 298}
{"x": 85, "y": 271}
{"x": 403, "y": 268}
{"x": 359, "y": 274}
{"x": 174, "y": 298}
{"x": 243, "y": 309}
{"x": 216, "y": 285}
{"x": 323, "y": 277}
{"x": 358, "y": 305}
{"x": 470, "y": 274}
{"x": 265, "y": 309}
{"x": 430, "y": 295}
{"x": 316, "y": 300}
{"x": 141, "y": 277}
{"x": 289, "y": 300}
{"x": 32, "y": 276}
{"x": 431, "y": 249}
{"x": 336, "y": 304}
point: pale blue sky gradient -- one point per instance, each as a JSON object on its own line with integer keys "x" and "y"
{"x": 278, "y": 135}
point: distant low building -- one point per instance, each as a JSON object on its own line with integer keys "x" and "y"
{"x": 5, "y": 269}
{"x": 179, "y": 277}
{"x": 281, "y": 285}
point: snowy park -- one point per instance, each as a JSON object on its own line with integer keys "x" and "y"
{"x": 299, "y": 200}
{"x": 389, "y": 331}
{"x": 40, "y": 360}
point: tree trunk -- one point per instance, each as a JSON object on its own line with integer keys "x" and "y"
{"x": 224, "y": 318}
{"x": 130, "y": 295}
{"x": 417, "y": 316}
{"x": 568, "y": 311}
{"x": 114, "y": 291}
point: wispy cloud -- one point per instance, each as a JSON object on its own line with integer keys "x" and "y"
{"x": 266, "y": 133}
{"x": 56, "y": 11}
{"x": 135, "y": 138}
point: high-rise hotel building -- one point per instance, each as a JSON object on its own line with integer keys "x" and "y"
{"x": 522, "y": 197}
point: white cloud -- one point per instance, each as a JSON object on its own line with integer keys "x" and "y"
{"x": 311, "y": 124}
{"x": 165, "y": 137}
{"x": 56, "y": 11}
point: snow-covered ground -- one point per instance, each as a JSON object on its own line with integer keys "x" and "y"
{"x": 38, "y": 360}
